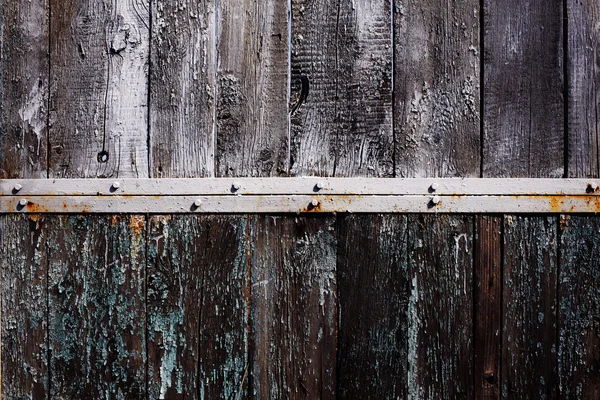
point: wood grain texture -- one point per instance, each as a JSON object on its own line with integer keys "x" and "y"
{"x": 529, "y": 361}
{"x": 523, "y": 86}
{"x": 373, "y": 291}
{"x": 440, "y": 307}
{"x": 343, "y": 50}
{"x": 23, "y": 88}
{"x": 252, "y": 117}
{"x": 579, "y": 308}
{"x": 182, "y": 88}
{"x": 436, "y": 88}
{"x": 96, "y": 300}
{"x": 24, "y": 311}
{"x": 294, "y": 308}
{"x": 197, "y": 307}
{"x": 583, "y": 17}
{"x": 488, "y": 306}
{"x": 99, "y": 79}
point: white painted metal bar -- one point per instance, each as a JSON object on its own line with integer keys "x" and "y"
{"x": 298, "y": 186}
{"x": 300, "y": 204}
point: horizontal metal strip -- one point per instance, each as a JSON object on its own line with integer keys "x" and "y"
{"x": 297, "y": 186}
{"x": 300, "y": 204}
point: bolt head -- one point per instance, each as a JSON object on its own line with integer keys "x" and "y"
{"x": 314, "y": 203}
{"x": 23, "y": 202}
{"x": 434, "y": 186}
{"x": 116, "y": 185}
{"x": 320, "y": 185}
{"x": 236, "y": 186}
{"x": 436, "y": 200}
{"x": 198, "y": 203}
{"x": 18, "y": 187}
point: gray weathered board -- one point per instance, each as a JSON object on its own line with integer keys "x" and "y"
{"x": 273, "y": 306}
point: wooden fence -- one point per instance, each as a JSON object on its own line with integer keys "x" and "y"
{"x": 350, "y": 306}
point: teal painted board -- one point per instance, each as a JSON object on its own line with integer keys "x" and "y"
{"x": 197, "y": 307}
{"x": 293, "y": 324}
{"x": 373, "y": 291}
{"x": 529, "y": 295}
{"x": 96, "y": 306}
{"x": 579, "y": 308}
{"x": 24, "y": 312}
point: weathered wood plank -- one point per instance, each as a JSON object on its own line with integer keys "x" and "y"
{"x": 583, "y": 17}
{"x": 96, "y": 300}
{"x": 197, "y": 307}
{"x": 487, "y": 308}
{"x": 529, "y": 361}
{"x": 23, "y": 88}
{"x": 436, "y": 88}
{"x": 99, "y": 80}
{"x": 182, "y": 88}
{"x": 342, "y": 52}
{"x": 440, "y": 307}
{"x": 579, "y": 308}
{"x": 293, "y": 317}
{"x": 24, "y": 311}
{"x": 373, "y": 291}
{"x": 523, "y": 86}
{"x": 252, "y": 117}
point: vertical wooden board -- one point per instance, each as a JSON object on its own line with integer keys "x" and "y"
{"x": 487, "y": 288}
{"x": 23, "y": 264}
{"x": 583, "y": 17}
{"x": 23, "y": 88}
{"x": 529, "y": 361}
{"x": 440, "y": 307}
{"x": 99, "y": 85}
{"x": 97, "y": 313}
{"x": 252, "y": 117}
{"x": 197, "y": 307}
{"x": 523, "y": 86}
{"x": 373, "y": 292}
{"x": 293, "y": 314}
{"x": 342, "y": 119}
{"x": 182, "y": 88}
{"x": 436, "y": 88}
{"x": 579, "y": 308}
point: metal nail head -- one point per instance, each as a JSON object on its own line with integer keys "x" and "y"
{"x": 314, "y": 203}
{"x": 434, "y": 186}
{"x": 198, "y": 203}
{"x": 320, "y": 185}
{"x": 236, "y": 186}
{"x": 116, "y": 185}
{"x": 436, "y": 199}
{"x": 23, "y": 202}
{"x": 18, "y": 187}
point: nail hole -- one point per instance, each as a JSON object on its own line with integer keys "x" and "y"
{"x": 103, "y": 156}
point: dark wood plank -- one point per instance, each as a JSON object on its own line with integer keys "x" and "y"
{"x": 529, "y": 361}
{"x": 583, "y": 17}
{"x": 436, "y": 88}
{"x": 252, "y": 117}
{"x": 487, "y": 288}
{"x": 373, "y": 291}
{"x": 579, "y": 308}
{"x": 23, "y": 88}
{"x": 97, "y": 312}
{"x": 343, "y": 52}
{"x": 197, "y": 307}
{"x": 24, "y": 310}
{"x": 523, "y": 86}
{"x": 182, "y": 88}
{"x": 440, "y": 307}
{"x": 294, "y": 316}
{"x": 98, "y": 103}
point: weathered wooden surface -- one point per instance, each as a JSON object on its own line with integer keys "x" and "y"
{"x": 99, "y": 80}
{"x": 579, "y": 308}
{"x": 583, "y": 17}
{"x": 294, "y": 307}
{"x": 23, "y": 88}
{"x": 374, "y": 292}
{"x": 24, "y": 312}
{"x": 182, "y": 88}
{"x": 96, "y": 306}
{"x": 529, "y": 361}
{"x": 487, "y": 287}
{"x": 197, "y": 307}
{"x": 343, "y": 52}
{"x": 252, "y": 117}
{"x": 436, "y": 88}
{"x": 523, "y": 130}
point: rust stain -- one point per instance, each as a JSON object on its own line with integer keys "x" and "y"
{"x": 114, "y": 220}
{"x": 36, "y": 208}
{"x": 136, "y": 223}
